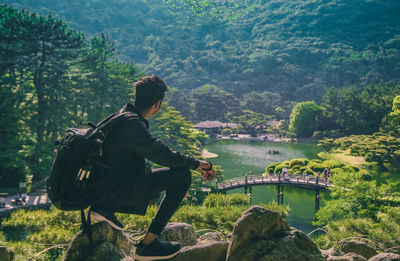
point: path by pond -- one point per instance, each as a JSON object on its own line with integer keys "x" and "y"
{"x": 240, "y": 157}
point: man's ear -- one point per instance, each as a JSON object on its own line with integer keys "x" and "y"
{"x": 158, "y": 104}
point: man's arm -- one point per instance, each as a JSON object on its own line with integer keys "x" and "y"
{"x": 136, "y": 137}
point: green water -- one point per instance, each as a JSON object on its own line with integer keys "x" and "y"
{"x": 240, "y": 157}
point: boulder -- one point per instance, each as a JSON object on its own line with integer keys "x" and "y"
{"x": 5, "y": 254}
{"x": 107, "y": 242}
{"x": 385, "y": 257}
{"x": 262, "y": 234}
{"x": 209, "y": 237}
{"x": 347, "y": 257}
{"x": 330, "y": 252}
{"x": 358, "y": 247}
{"x": 211, "y": 252}
{"x": 179, "y": 232}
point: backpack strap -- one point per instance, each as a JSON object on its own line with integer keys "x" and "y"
{"x": 86, "y": 227}
{"x": 106, "y": 125}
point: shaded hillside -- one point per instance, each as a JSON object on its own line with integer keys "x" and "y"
{"x": 298, "y": 48}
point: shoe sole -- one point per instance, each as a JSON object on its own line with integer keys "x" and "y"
{"x": 97, "y": 217}
{"x": 149, "y": 258}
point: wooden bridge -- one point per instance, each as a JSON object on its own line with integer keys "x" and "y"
{"x": 279, "y": 180}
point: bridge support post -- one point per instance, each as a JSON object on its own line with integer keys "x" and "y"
{"x": 279, "y": 193}
{"x": 316, "y": 201}
{"x": 245, "y": 184}
{"x": 251, "y": 191}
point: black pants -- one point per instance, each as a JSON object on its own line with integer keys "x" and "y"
{"x": 176, "y": 183}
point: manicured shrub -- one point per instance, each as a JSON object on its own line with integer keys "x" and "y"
{"x": 295, "y": 167}
{"x": 300, "y": 162}
{"x": 279, "y": 167}
{"x": 303, "y": 169}
{"x": 332, "y": 164}
{"x": 315, "y": 166}
{"x": 271, "y": 167}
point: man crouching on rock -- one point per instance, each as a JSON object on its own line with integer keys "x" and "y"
{"x": 129, "y": 183}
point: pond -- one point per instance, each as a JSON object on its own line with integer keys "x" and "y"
{"x": 239, "y": 157}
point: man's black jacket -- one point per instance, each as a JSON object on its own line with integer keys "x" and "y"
{"x": 125, "y": 185}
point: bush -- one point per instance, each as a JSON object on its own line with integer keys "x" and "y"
{"x": 223, "y": 200}
{"x": 316, "y": 167}
{"x": 279, "y": 167}
{"x": 332, "y": 164}
{"x": 299, "y": 162}
{"x": 296, "y": 167}
{"x": 227, "y": 131}
{"x": 271, "y": 167}
{"x": 303, "y": 169}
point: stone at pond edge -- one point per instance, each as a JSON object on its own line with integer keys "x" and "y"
{"x": 106, "y": 241}
{"x": 208, "y": 252}
{"x": 180, "y": 232}
{"x": 262, "y": 234}
{"x": 358, "y": 247}
{"x": 385, "y": 257}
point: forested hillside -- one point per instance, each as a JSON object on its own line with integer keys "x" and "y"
{"x": 297, "y": 48}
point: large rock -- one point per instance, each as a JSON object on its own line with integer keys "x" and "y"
{"x": 330, "y": 252}
{"x": 347, "y": 257}
{"x": 180, "y": 232}
{"x": 262, "y": 234}
{"x": 6, "y": 255}
{"x": 385, "y": 257}
{"x": 361, "y": 248}
{"x": 211, "y": 252}
{"x": 107, "y": 242}
{"x": 209, "y": 238}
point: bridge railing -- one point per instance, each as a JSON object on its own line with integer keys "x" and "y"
{"x": 274, "y": 178}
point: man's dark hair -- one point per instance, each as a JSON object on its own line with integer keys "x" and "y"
{"x": 149, "y": 90}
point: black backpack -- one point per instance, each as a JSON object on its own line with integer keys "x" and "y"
{"x": 78, "y": 154}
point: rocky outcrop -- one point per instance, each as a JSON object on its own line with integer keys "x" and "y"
{"x": 358, "y": 247}
{"x": 210, "y": 252}
{"x": 385, "y": 257}
{"x": 347, "y": 257}
{"x": 180, "y": 232}
{"x": 107, "y": 242}
{"x": 5, "y": 254}
{"x": 330, "y": 252}
{"x": 262, "y": 234}
{"x": 210, "y": 237}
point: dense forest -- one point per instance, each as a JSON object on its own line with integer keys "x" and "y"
{"x": 298, "y": 49}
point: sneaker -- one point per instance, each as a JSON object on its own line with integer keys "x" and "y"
{"x": 109, "y": 217}
{"x": 157, "y": 250}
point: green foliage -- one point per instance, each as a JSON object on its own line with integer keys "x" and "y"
{"x": 223, "y": 200}
{"x": 316, "y": 167}
{"x": 385, "y": 233}
{"x": 305, "y": 118}
{"x": 332, "y": 164}
{"x": 278, "y": 168}
{"x": 271, "y": 167}
{"x": 379, "y": 147}
{"x": 252, "y": 122}
{"x": 178, "y": 133}
{"x": 299, "y": 162}
{"x": 213, "y": 103}
{"x": 296, "y": 48}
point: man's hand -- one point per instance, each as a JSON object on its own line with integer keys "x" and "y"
{"x": 206, "y": 170}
